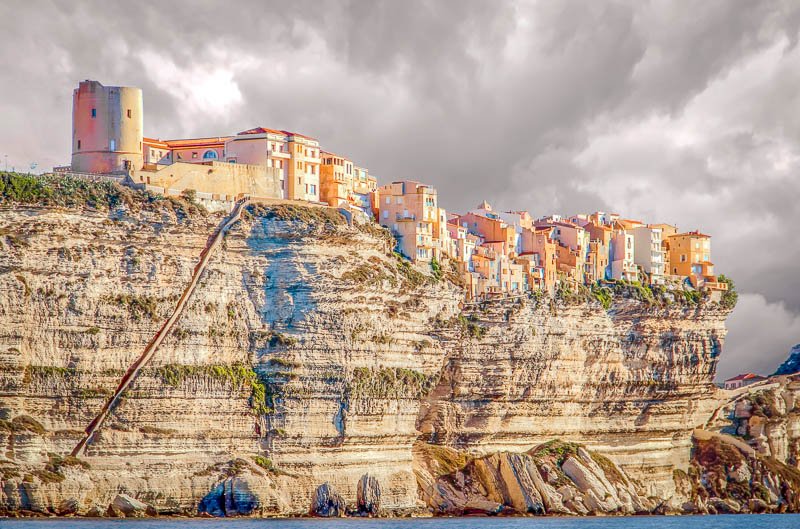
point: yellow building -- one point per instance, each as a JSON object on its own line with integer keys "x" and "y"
{"x": 410, "y": 210}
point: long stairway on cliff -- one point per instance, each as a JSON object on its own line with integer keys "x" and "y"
{"x": 130, "y": 375}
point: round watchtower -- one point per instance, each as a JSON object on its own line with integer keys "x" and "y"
{"x": 107, "y": 127}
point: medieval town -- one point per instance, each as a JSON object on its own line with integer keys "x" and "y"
{"x": 496, "y": 252}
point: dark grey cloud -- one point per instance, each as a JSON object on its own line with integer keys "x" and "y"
{"x": 672, "y": 112}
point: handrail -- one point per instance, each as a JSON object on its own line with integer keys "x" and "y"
{"x": 165, "y": 329}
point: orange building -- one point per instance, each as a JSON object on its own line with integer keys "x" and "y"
{"x": 342, "y": 184}
{"x": 491, "y": 228}
{"x": 690, "y": 256}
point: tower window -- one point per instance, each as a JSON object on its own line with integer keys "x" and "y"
{"x": 94, "y": 113}
{"x": 129, "y": 113}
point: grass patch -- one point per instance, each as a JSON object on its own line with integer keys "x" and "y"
{"x": 137, "y": 306}
{"x": 282, "y": 362}
{"x": 295, "y": 212}
{"x": 264, "y": 462}
{"x": 557, "y": 450}
{"x": 237, "y": 375}
{"x": 102, "y": 195}
{"x": 22, "y": 423}
{"x": 387, "y": 382}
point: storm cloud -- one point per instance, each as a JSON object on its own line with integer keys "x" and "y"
{"x": 679, "y": 112}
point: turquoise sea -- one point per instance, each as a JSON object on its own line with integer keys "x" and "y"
{"x": 744, "y": 521}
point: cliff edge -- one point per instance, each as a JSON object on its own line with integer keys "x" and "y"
{"x": 314, "y": 371}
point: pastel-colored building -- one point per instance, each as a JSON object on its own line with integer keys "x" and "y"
{"x": 295, "y": 155}
{"x": 107, "y": 124}
{"x": 667, "y": 231}
{"x": 648, "y": 253}
{"x": 302, "y": 182}
{"x": 743, "y": 380}
{"x": 410, "y": 210}
{"x": 599, "y": 258}
{"x": 192, "y": 150}
{"x": 690, "y": 256}
{"x": 597, "y": 265}
{"x": 488, "y": 225}
{"x": 541, "y": 250}
{"x": 343, "y": 184}
{"x": 622, "y": 251}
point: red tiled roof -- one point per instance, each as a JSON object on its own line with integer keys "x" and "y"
{"x": 157, "y": 143}
{"x": 218, "y": 141}
{"x": 260, "y": 130}
{"x": 289, "y": 133}
{"x": 745, "y": 376}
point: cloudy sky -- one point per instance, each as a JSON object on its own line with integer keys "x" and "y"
{"x": 680, "y": 112}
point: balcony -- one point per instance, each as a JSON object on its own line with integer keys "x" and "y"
{"x": 715, "y": 285}
{"x": 278, "y": 154}
{"x": 405, "y": 217}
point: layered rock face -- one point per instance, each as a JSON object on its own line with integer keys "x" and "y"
{"x": 554, "y": 478}
{"x": 309, "y": 355}
{"x": 630, "y": 382}
{"x": 300, "y": 359}
{"x": 767, "y": 417}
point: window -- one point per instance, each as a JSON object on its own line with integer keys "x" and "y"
{"x": 210, "y": 155}
{"x": 180, "y": 156}
{"x": 388, "y": 199}
{"x": 194, "y": 155}
{"x": 129, "y": 113}
{"x": 385, "y": 214}
{"x": 399, "y": 200}
{"x": 79, "y": 144}
{"x": 313, "y": 189}
{"x": 683, "y": 257}
{"x": 94, "y": 113}
{"x": 112, "y": 145}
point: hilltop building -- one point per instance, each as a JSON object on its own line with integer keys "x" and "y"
{"x": 743, "y": 380}
{"x": 411, "y": 211}
{"x": 107, "y": 123}
{"x": 496, "y": 253}
{"x": 107, "y": 139}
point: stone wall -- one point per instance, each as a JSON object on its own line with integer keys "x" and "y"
{"x": 215, "y": 178}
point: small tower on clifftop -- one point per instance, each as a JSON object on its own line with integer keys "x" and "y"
{"x": 107, "y": 123}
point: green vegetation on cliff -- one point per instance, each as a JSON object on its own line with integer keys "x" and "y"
{"x": 237, "y": 375}
{"x": 389, "y": 382}
{"x": 79, "y": 193}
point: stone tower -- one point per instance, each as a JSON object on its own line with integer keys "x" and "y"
{"x": 107, "y": 127}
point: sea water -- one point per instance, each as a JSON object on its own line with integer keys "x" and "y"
{"x": 743, "y": 521}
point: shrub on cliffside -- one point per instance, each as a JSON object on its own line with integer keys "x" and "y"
{"x": 71, "y": 192}
{"x": 730, "y": 297}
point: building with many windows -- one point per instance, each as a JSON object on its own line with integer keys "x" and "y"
{"x": 343, "y": 184}
{"x": 411, "y": 211}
